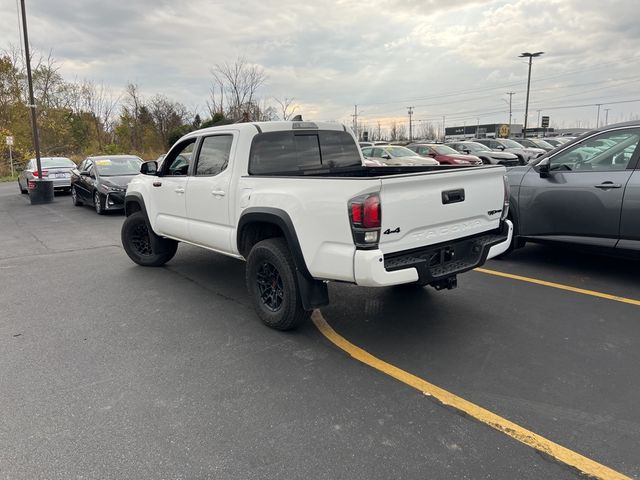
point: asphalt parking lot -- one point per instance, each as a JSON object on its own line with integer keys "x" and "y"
{"x": 111, "y": 370}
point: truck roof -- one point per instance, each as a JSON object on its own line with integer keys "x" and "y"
{"x": 275, "y": 126}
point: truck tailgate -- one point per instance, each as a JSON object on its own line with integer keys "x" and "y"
{"x": 430, "y": 208}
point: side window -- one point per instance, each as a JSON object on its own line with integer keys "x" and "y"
{"x": 89, "y": 169}
{"x": 605, "y": 152}
{"x": 214, "y": 155}
{"x": 367, "y": 151}
{"x": 177, "y": 161}
{"x": 377, "y": 152}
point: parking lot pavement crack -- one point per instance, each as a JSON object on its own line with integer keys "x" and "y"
{"x": 204, "y": 287}
{"x": 58, "y": 252}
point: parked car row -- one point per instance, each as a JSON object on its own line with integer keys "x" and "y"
{"x": 99, "y": 181}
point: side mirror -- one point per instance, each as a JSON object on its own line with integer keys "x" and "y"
{"x": 149, "y": 168}
{"x": 544, "y": 169}
{"x": 466, "y": 151}
{"x": 501, "y": 147}
{"x": 386, "y": 156}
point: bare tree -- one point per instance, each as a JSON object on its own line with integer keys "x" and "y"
{"x": 394, "y": 131}
{"x": 167, "y": 115}
{"x": 100, "y": 101}
{"x": 287, "y": 107}
{"x": 240, "y": 81}
{"x": 401, "y": 132}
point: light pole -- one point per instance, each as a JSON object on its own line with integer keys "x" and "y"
{"x": 410, "y": 111}
{"x": 511, "y": 94}
{"x": 530, "y": 56}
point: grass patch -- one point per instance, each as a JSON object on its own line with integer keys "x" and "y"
{"x": 9, "y": 178}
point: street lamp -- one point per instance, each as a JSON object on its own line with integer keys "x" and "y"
{"x": 526, "y": 108}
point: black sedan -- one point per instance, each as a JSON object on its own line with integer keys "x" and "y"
{"x": 102, "y": 181}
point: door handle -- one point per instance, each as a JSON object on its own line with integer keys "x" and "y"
{"x": 218, "y": 193}
{"x": 606, "y": 185}
{"x": 179, "y": 190}
{"x": 157, "y": 184}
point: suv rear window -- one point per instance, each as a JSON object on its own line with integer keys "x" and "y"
{"x": 297, "y": 151}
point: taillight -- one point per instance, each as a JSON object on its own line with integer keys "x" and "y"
{"x": 505, "y": 203}
{"x": 45, "y": 173}
{"x": 365, "y": 216}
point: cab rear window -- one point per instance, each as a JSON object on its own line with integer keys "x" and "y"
{"x": 296, "y": 151}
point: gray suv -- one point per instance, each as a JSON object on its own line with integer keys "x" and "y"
{"x": 585, "y": 192}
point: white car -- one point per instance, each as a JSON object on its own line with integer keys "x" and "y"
{"x": 396, "y": 155}
{"x": 294, "y": 200}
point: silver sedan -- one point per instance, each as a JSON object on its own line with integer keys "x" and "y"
{"x": 57, "y": 169}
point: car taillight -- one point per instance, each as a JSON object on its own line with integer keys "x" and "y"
{"x": 507, "y": 192}
{"x": 45, "y": 173}
{"x": 365, "y": 217}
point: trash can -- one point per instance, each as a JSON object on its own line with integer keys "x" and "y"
{"x": 40, "y": 191}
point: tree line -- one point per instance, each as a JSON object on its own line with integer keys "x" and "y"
{"x": 77, "y": 118}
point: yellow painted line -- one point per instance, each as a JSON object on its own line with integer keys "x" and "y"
{"x": 560, "y": 453}
{"x": 560, "y": 286}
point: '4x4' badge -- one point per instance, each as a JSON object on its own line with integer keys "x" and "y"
{"x": 389, "y": 231}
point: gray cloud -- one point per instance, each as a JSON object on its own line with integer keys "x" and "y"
{"x": 331, "y": 55}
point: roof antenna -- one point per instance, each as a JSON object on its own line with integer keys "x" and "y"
{"x": 297, "y": 118}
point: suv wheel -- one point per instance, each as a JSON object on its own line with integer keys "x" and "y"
{"x": 273, "y": 286}
{"x": 142, "y": 245}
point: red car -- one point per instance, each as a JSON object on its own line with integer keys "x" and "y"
{"x": 444, "y": 154}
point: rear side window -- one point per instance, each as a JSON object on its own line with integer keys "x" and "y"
{"x": 214, "y": 155}
{"x": 291, "y": 151}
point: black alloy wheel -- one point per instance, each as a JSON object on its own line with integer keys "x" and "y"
{"x": 142, "y": 245}
{"x": 271, "y": 279}
{"x": 270, "y": 286}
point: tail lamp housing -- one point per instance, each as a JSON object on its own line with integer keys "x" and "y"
{"x": 365, "y": 216}
{"x": 505, "y": 204}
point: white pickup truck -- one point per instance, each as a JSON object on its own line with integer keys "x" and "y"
{"x": 294, "y": 200}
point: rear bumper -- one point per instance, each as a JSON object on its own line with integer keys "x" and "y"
{"x": 430, "y": 264}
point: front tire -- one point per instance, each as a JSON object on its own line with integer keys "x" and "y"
{"x": 97, "y": 203}
{"x": 142, "y": 245}
{"x": 74, "y": 197}
{"x": 273, "y": 285}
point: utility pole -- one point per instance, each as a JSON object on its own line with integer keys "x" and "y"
{"x": 443, "y": 129}
{"x": 606, "y": 116}
{"x": 355, "y": 120}
{"x": 526, "y": 107}
{"x": 598, "y": 116}
{"x": 42, "y": 191}
{"x": 410, "y": 111}
{"x": 511, "y": 94}
{"x": 538, "y": 125}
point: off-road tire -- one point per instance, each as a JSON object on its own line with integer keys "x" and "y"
{"x": 274, "y": 252}
{"x": 139, "y": 242}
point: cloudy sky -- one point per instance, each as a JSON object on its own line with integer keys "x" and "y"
{"x": 453, "y": 58}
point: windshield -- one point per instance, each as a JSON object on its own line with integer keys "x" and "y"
{"x": 444, "y": 150}
{"x": 510, "y": 143}
{"x": 111, "y": 167}
{"x": 400, "y": 152}
{"x": 541, "y": 143}
{"x": 474, "y": 147}
{"x": 56, "y": 162}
